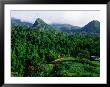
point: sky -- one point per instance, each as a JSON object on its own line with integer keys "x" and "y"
{"x": 76, "y": 18}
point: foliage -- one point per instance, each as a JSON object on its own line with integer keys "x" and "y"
{"x": 33, "y": 50}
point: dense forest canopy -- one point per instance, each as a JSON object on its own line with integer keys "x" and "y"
{"x": 42, "y": 50}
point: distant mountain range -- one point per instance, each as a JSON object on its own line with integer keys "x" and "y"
{"x": 93, "y": 26}
{"x": 66, "y": 27}
{"x": 15, "y": 22}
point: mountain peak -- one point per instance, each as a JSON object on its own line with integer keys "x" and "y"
{"x": 39, "y": 22}
{"x": 94, "y": 22}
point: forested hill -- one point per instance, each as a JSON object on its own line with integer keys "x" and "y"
{"x": 92, "y": 26}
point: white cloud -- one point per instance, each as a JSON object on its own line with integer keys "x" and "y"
{"x": 81, "y": 18}
{"x": 77, "y": 18}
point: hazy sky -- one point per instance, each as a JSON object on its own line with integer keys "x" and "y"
{"x": 76, "y": 18}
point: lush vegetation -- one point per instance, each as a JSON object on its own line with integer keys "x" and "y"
{"x": 50, "y": 53}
